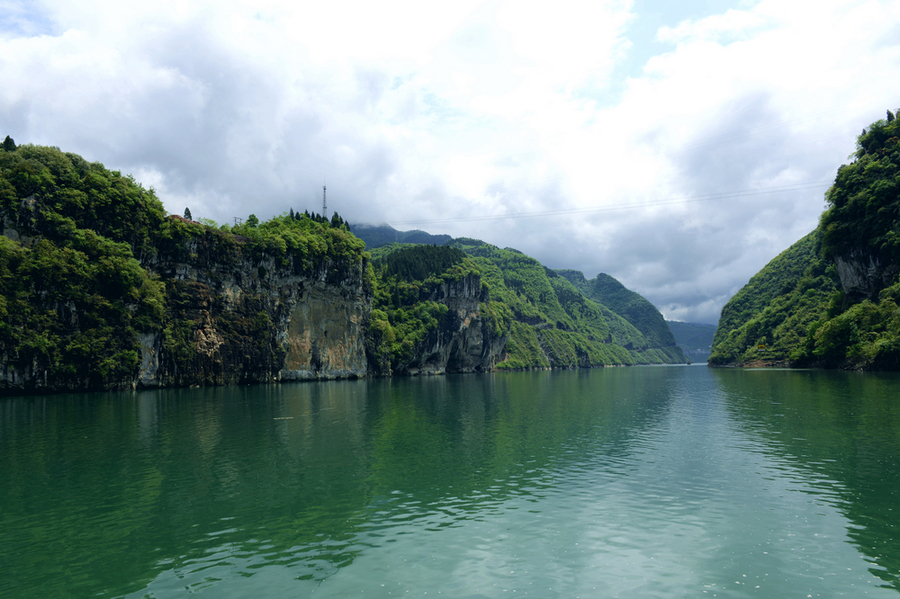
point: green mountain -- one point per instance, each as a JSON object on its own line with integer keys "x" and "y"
{"x": 695, "y": 339}
{"x": 630, "y": 319}
{"x": 830, "y": 300}
{"x": 630, "y": 305}
{"x": 377, "y": 236}
{"x": 548, "y": 322}
{"x": 100, "y": 289}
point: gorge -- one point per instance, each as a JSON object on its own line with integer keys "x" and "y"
{"x": 102, "y": 290}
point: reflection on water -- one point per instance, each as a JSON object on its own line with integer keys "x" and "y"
{"x": 651, "y": 482}
{"x": 840, "y": 432}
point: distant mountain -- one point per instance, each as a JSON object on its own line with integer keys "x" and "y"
{"x": 549, "y": 322}
{"x": 693, "y": 338}
{"x": 632, "y": 306}
{"x": 376, "y": 236}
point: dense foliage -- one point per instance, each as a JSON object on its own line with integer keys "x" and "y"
{"x": 795, "y": 311}
{"x": 417, "y": 263}
{"x": 80, "y": 261}
{"x": 73, "y": 296}
{"x": 631, "y": 306}
{"x": 407, "y": 306}
{"x": 770, "y": 317}
{"x": 558, "y": 323}
{"x": 863, "y": 212}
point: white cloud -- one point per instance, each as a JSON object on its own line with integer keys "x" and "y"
{"x": 734, "y": 24}
{"x": 414, "y": 111}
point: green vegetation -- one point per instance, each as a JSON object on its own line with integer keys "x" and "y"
{"x": 406, "y": 306}
{"x": 546, "y": 321}
{"x": 631, "y": 306}
{"x": 569, "y": 328}
{"x": 86, "y": 259}
{"x": 417, "y": 263}
{"x": 863, "y": 210}
{"x": 92, "y": 270}
{"x": 795, "y": 311}
{"x": 73, "y": 297}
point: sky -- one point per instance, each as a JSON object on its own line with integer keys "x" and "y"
{"x": 677, "y": 146}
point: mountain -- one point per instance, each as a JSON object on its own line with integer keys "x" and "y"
{"x": 376, "y": 236}
{"x": 630, "y": 321}
{"x": 830, "y": 300}
{"x": 551, "y": 323}
{"x": 632, "y": 306}
{"x": 100, "y": 289}
{"x": 695, "y": 339}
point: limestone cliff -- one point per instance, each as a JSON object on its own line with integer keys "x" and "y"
{"x": 463, "y": 341}
{"x": 254, "y": 320}
{"x": 864, "y": 274}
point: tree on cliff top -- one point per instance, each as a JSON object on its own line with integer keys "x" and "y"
{"x": 418, "y": 262}
{"x": 864, "y": 203}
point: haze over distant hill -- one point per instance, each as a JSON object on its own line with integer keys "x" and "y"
{"x": 694, "y": 338}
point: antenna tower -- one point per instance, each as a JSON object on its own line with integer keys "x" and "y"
{"x": 324, "y": 204}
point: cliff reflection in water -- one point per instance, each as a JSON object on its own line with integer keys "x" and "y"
{"x": 108, "y": 492}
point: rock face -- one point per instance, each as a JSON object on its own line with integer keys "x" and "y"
{"x": 463, "y": 342}
{"x": 233, "y": 318}
{"x": 100, "y": 290}
{"x": 863, "y": 275}
{"x": 257, "y": 321}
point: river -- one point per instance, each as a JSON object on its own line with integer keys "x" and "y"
{"x": 669, "y": 482}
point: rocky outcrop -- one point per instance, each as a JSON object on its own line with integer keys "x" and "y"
{"x": 100, "y": 290}
{"x": 863, "y": 275}
{"x": 235, "y": 316}
{"x": 255, "y": 320}
{"x": 464, "y": 341}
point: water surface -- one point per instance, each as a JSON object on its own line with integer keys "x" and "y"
{"x": 629, "y": 482}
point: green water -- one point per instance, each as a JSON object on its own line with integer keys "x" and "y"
{"x": 629, "y": 482}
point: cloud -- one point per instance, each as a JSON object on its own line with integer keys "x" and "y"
{"x": 507, "y": 121}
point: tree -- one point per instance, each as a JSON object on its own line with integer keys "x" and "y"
{"x": 252, "y": 221}
{"x": 9, "y": 145}
{"x": 187, "y": 214}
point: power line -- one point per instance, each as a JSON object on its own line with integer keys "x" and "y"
{"x": 648, "y": 204}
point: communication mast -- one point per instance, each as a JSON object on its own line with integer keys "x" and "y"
{"x": 324, "y": 204}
